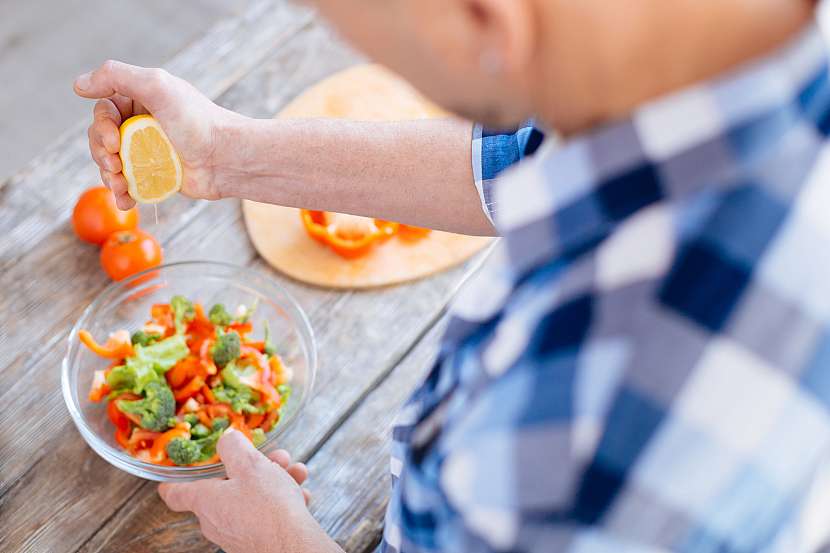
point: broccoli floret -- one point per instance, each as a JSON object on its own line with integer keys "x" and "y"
{"x": 269, "y": 345}
{"x": 172, "y": 421}
{"x": 220, "y": 423}
{"x": 208, "y": 444}
{"x": 239, "y": 400}
{"x": 191, "y": 419}
{"x": 199, "y": 431}
{"x": 155, "y": 409}
{"x": 238, "y": 377}
{"x": 183, "y": 312}
{"x": 141, "y": 338}
{"x": 219, "y": 315}
{"x": 183, "y": 451}
{"x": 226, "y": 349}
{"x": 258, "y": 436}
{"x": 132, "y": 377}
{"x": 236, "y": 391}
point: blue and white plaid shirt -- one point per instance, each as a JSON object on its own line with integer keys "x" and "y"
{"x": 645, "y": 363}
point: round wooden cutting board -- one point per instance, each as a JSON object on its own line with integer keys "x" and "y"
{"x": 366, "y": 93}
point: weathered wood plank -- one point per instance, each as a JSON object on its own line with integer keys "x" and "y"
{"x": 349, "y": 508}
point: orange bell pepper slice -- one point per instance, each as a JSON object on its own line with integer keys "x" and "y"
{"x": 270, "y": 420}
{"x": 162, "y": 315}
{"x": 99, "y": 388}
{"x": 208, "y": 393}
{"x": 349, "y": 248}
{"x": 219, "y": 410}
{"x": 255, "y": 419}
{"x": 204, "y": 418}
{"x": 315, "y": 224}
{"x": 122, "y": 438}
{"x": 140, "y": 439}
{"x": 190, "y": 389}
{"x": 205, "y": 358}
{"x": 411, "y": 234}
{"x": 117, "y": 346}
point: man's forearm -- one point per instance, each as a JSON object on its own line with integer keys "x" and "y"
{"x": 415, "y": 172}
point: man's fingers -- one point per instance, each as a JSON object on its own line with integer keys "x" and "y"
{"x": 299, "y": 472}
{"x": 188, "y": 496}
{"x": 124, "y": 105}
{"x": 280, "y": 457}
{"x": 105, "y": 160}
{"x": 306, "y": 496}
{"x": 106, "y": 121}
{"x": 147, "y": 86}
{"x": 238, "y": 453}
{"x": 118, "y": 185}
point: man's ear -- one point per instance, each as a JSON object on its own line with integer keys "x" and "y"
{"x": 507, "y": 32}
{"x": 497, "y": 35}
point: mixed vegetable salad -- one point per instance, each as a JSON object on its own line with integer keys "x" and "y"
{"x": 176, "y": 384}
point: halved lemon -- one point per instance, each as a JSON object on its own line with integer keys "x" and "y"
{"x": 150, "y": 163}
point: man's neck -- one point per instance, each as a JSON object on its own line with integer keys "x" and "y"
{"x": 650, "y": 48}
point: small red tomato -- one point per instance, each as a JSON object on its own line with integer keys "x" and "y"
{"x": 96, "y": 216}
{"x": 128, "y": 252}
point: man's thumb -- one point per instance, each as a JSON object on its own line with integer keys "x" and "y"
{"x": 238, "y": 453}
{"x": 146, "y": 86}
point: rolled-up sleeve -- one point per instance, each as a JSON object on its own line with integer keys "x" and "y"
{"x": 496, "y": 150}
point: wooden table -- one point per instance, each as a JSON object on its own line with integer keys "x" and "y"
{"x": 56, "y": 494}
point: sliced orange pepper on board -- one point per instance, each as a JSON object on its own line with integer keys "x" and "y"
{"x": 315, "y": 223}
{"x": 411, "y": 234}
{"x": 117, "y": 346}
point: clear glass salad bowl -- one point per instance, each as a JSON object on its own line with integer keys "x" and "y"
{"x": 126, "y": 305}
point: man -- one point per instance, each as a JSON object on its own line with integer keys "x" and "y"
{"x": 643, "y": 365}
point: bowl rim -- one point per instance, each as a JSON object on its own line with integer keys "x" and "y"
{"x": 152, "y": 471}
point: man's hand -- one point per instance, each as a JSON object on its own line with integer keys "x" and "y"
{"x": 259, "y": 508}
{"x": 189, "y": 118}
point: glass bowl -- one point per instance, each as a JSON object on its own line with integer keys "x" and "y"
{"x": 126, "y": 304}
